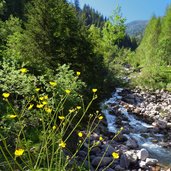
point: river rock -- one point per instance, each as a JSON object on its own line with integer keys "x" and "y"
{"x": 119, "y": 168}
{"x": 142, "y": 154}
{"x": 142, "y": 164}
{"x": 132, "y": 156}
{"x": 103, "y": 161}
{"x": 151, "y": 162}
{"x": 108, "y": 149}
{"x": 95, "y": 150}
{"x": 124, "y": 161}
{"x": 131, "y": 143}
{"x": 161, "y": 124}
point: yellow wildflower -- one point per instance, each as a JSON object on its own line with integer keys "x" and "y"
{"x": 52, "y": 83}
{"x": 115, "y": 155}
{"x": 80, "y": 134}
{"x": 48, "y": 110}
{"x": 61, "y": 117}
{"x": 6, "y": 95}
{"x": 78, "y": 107}
{"x": 39, "y": 106}
{"x": 67, "y": 91}
{"x": 78, "y": 73}
{"x": 30, "y": 107}
{"x": 71, "y": 110}
{"x": 100, "y": 117}
{"x": 44, "y": 102}
{"x": 12, "y": 116}
{"x": 37, "y": 89}
{"x": 101, "y": 138}
{"x": 45, "y": 97}
{"x": 41, "y": 98}
{"x": 94, "y": 90}
{"x": 62, "y": 144}
{"x": 19, "y": 152}
{"x": 54, "y": 127}
{"x": 23, "y": 70}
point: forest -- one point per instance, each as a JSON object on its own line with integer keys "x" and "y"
{"x": 58, "y": 62}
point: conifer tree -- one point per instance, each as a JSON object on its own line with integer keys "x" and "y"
{"x": 165, "y": 37}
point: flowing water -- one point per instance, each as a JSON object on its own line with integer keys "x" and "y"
{"x": 139, "y": 128}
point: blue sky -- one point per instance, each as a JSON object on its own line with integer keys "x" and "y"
{"x": 131, "y": 9}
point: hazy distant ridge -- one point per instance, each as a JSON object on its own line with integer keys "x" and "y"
{"x": 136, "y": 28}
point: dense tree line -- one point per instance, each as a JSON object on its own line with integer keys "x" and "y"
{"x": 153, "y": 56}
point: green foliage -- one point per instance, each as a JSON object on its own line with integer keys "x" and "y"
{"x": 152, "y": 56}
{"x": 92, "y": 17}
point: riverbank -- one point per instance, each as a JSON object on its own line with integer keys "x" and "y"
{"x": 137, "y": 127}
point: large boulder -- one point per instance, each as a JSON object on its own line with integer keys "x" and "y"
{"x": 142, "y": 154}
{"x": 103, "y": 161}
{"x": 131, "y": 143}
{"x": 124, "y": 161}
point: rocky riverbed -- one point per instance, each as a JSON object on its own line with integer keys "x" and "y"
{"x": 137, "y": 127}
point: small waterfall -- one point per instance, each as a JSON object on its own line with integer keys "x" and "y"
{"x": 139, "y": 130}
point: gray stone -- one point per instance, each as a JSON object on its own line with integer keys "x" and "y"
{"x": 142, "y": 154}
{"x": 119, "y": 168}
{"x": 108, "y": 149}
{"x": 103, "y": 161}
{"x": 82, "y": 153}
{"x": 142, "y": 164}
{"x": 124, "y": 161}
{"x": 95, "y": 150}
{"x": 131, "y": 143}
{"x": 132, "y": 156}
{"x": 161, "y": 124}
{"x": 151, "y": 162}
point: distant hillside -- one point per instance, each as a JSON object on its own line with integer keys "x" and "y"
{"x": 136, "y": 28}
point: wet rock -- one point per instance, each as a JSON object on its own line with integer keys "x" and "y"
{"x": 124, "y": 161}
{"x": 131, "y": 143}
{"x": 142, "y": 154}
{"x": 132, "y": 156}
{"x": 142, "y": 164}
{"x": 151, "y": 162}
{"x": 108, "y": 149}
{"x": 95, "y": 150}
{"x": 161, "y": 124}
{"x": 119, "y": 168}
{"x": 103, "y": 161}
{"x": 82, "y": 153}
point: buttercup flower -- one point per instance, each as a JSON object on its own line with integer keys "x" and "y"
{"x": 100, "y": 117}
{"x": 52, "y": 83}
{"x": 23, "y": 70}
{"x": 62, "y": 144}
{"x": 30, "y": 107}
{"x": 61, "y": 117}
{"x": 48, "y": 110}
{"x": 54, "y": 127}
{"x": 45, "y": 102}
{"x": 6, "y": 95}
{"x": 78, "y": 107}
{"x": 39, "y": 106}
{"x": 37, "y": 89}
{"x": 115, "y": 155}
{"x": 78, "y": 73}
{"x": 80, "y": 134}
{"x": 12, "y": 116}
{"x": 41, "y": 98}
{"x": 101, "y": 138}
{"x": 45, "y": 97}
{"x": 19, "y": 152}
{"x": 94, "y": 90}
{"x": 67, "y": 91}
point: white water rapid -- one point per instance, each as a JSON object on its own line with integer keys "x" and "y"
{"x": 140, "y": 131}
